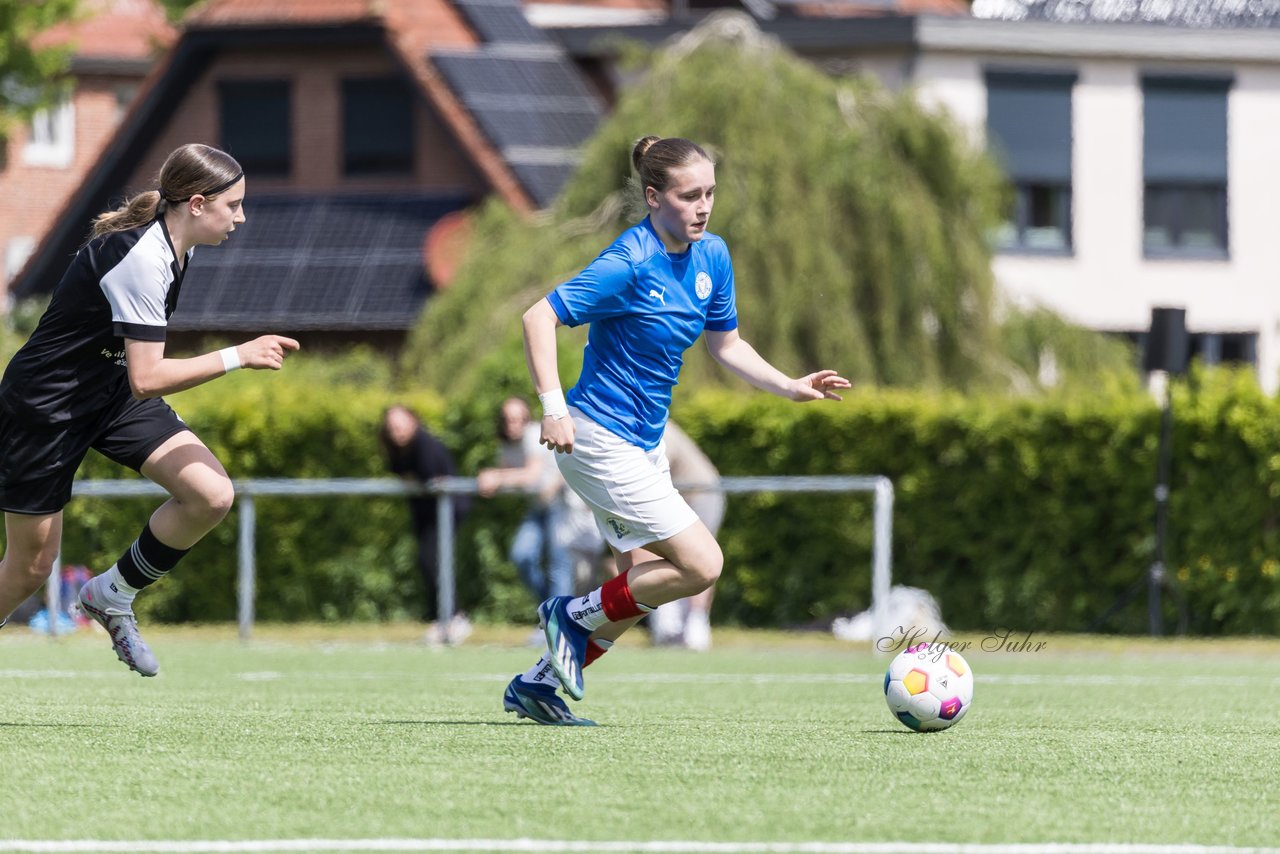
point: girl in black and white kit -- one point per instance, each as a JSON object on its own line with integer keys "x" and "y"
{"x": 92, "y": 376}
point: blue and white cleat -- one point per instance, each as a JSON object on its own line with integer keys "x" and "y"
{"x": 566, "y": 643}
{"x": 540, "y": 704}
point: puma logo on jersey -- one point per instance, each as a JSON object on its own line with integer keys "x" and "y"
{"x": 661, "y": 296}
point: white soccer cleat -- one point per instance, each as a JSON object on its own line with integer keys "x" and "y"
{"x": 122, "y": 626}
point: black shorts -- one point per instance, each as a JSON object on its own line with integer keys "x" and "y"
{"x": 38, "y": 461}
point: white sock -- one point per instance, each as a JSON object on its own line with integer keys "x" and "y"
{"x": 588, "y": 611}
{"x": 540, "y": 673}
{"x": 114, "y": 590}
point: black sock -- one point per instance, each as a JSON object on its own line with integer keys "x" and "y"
{"x": 147, "y": 560}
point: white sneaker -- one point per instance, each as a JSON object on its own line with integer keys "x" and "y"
{"x": 122, "y": 626}
{"x": 697, "y": 631}
{"x": 459, "y": 629}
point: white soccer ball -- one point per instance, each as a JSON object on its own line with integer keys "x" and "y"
{"x": 929, "y": 687}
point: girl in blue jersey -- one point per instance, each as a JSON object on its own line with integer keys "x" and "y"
{"x": 648, "y": 297}
{"x": 92, "y": 375}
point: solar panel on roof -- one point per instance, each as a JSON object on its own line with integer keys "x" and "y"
{"x": 483, "y": 74}
{"x": 500, "y": 21}
{"x": 515, "y": 127}
{"x": 316, "y": 263}
{"x": 543, "y": 181}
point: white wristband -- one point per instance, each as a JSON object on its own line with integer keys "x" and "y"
{"x": 230, "y": 359}
{"x": 553, "y": 404}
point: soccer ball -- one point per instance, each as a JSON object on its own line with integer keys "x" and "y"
{"x": 928, "y": 687}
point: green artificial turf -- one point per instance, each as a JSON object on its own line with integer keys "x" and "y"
{"x": 364, "y": 733}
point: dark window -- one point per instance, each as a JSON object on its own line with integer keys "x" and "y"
{"x": 1216, "y": 348}
{"x": 1029, "y": 132}
{"x": 377, "y": 126}
{"x": 1211, "y": 348}
{"x": 1184, "y": 167}
{"x": 256, "y": 120}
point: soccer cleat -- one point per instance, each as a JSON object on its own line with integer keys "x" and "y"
{"x": 122, "y": 626}
{"x": 566, "y": 642}
{"x": 539, "y": 703}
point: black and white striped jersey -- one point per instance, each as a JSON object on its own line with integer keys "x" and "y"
{"x": 120, "y": 285}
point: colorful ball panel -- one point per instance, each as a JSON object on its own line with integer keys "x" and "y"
{"x": 929, "y": 687}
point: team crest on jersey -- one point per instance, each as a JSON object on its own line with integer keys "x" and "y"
{"x": 702, "y": 284}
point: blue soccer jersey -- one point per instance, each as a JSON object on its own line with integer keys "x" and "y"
{"x": 646, "y": 307}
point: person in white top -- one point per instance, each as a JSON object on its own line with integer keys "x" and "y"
{"x": 687, "y": 622}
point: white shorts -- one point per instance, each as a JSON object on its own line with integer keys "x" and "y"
{"x": 629, "y": 489}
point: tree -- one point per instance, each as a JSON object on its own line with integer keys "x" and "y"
{"x": 857, "y": 219}
{"x": 31, "y": 76}
{"x": 177, "y": 9}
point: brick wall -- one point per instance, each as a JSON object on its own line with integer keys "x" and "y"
{"x": 35, "y": 194}
{"x": 316, "y": 75}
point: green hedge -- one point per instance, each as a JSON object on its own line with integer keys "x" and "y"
{"x": 1021, "y": 513}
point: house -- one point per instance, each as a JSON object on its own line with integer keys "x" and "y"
{"x": 1139, "y": 138}
{"x": 365, "y": 128}
{"x": 113, "y": 45}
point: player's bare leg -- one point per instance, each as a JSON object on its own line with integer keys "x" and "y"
{"x": 31, "y": 547}
{"x": 202, "y": 495}
{"x": 685, "y": 564}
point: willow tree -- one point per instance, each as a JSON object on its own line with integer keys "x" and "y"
{"x": 856, "y": 219}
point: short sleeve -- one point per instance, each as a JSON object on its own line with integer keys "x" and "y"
{"x": 601, "y": 290}
{"x": 136, "y": 288}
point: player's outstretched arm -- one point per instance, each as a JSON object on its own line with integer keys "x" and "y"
{"x": 740, "y": 358}
{"x": 153, "y": 375}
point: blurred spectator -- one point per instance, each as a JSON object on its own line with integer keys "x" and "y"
{"x": 687, "y": 622}
{"x": 557, "y": 526}
{"x": 417, "y": 456}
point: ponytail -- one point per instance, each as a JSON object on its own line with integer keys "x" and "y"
{"x": 137, "y": 210}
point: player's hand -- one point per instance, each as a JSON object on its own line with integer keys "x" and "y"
{"x": 267, "y": 352}
{"x": 558, "y": 433}
{"x": 820, "y": 385}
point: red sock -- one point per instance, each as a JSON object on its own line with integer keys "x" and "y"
{"x": 617, "y": 601}
{"x": 594, "y": 651}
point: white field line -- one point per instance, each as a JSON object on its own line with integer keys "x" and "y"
{"x": 552, "y": 846}
{"x": 706, "y": 678}
{"x": 858, "y": 678}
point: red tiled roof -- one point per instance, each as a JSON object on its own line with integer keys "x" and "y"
{"x": 114, "y": 29}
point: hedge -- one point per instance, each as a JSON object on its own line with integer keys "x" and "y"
{"x": 1029, "y": 514}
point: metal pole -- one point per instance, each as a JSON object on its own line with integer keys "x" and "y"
{"x": 444, "y": 566}
{"x": 53, "y": 596}
{"x": 1156, "y": 575}
{"x": 247, "y": 572}
{"x": 882, "y": 556}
